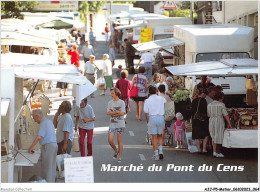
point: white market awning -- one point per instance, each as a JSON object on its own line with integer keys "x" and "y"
{"x": 225, "y": 67}
{"x": 62, "y": 73}
{"x": 130, "y": 26}
{"x": 16, "y": 38}
{"x": 163, "y": 43}
{"x": 18, "y": 59}
{"x": 4, "y": 106}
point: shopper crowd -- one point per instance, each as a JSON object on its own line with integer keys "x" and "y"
{"x": 152, "y": 93}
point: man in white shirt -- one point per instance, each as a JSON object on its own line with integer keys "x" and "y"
{"x": 87, "y": 51}
{"x": 154, "y": 113}
{"x": 148, "y": 59}
{"x": 91, "y": 70}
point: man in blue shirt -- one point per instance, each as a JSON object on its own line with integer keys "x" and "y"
{"x": 47, "y": 138}
{"x": 64, "y": 124}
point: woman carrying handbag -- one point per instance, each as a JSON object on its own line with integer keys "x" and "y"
{"x": 200, "y": 121}
{"x": 139, "y": 82}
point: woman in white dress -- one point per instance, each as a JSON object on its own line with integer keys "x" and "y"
{"x": 216, "y": 112}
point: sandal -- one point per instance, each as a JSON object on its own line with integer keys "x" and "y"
{"x": 115, "y": 156}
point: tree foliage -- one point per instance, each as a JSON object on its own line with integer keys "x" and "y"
{"x": 89, "y": 6}
{"x": 12, "y": 9}
{"x": 184, "y": 13}
{"x": 183, "y": 4}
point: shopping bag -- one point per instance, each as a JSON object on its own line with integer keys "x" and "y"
{"x": 169, "y": 111}
{"x": 191, "y": 143}
{"x": 101, "y": 83}
{"x": 75, "y": 142}
{"x": 134, "y": 92}
{"x": 60, "y": 164}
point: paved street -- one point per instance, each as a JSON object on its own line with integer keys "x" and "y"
{"x": 138, "y": 153}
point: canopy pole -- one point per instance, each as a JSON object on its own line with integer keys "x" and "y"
{"x": 24, "y": 102}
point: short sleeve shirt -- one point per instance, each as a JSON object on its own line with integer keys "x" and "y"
{"x": 154, "y": 105}
{"x": 47, "y": 132}
{"x": 86, "y": 112}
{"x": 116, "y": 121}
{"x": 65, "y": 123}
{"x": 90, "y": 68}
{"x": 147, "y": 57}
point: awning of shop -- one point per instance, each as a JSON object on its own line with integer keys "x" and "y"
{"x": 18, "y": 59}
{"x": 225, "y": 67}
{"x": 4, "y": 106}
{"x": 130, "y": 26}
{"x": 56, "y": 24}
{"x": 16, "y": 38}
{"x": 62, "y": 73}
{"x": 43, "y": 68}
{"x": 163, "y": 43}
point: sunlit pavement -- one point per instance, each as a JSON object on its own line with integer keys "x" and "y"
{"x": 138, "y": 153}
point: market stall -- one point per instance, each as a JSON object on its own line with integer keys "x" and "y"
{"x": 244, "y": 120}
{"x": 13, "y": 126}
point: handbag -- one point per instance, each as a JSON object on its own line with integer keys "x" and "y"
{"x": 198, "y": 115}
{"x": 75, "y": 142}
{"x": 134, "y": 90}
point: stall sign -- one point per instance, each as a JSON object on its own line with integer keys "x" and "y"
{"x": 79, "y": 170}
{"x": 146, "y": 35}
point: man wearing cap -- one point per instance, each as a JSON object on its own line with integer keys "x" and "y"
{"x": 91, "y": 71}
{"x": 87, "y": 51}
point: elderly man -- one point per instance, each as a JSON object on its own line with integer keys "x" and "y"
{"x": 85, "y": 118}
{"x": 47, "y": 138}
{"x": 87, "y": 51}
{"x": 64, "y": 124}
{"x": 154, "y": 113}
{"x": 91, "y": 71}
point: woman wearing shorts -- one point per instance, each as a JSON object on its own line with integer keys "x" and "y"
{"x": 141, "y": 82}
{"x": 116, "y": 111}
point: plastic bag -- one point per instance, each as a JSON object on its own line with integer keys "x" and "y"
{"x": 60, "y": 164}
{"x": 75, "y": 143}
{"x": 191, "y": 143}
{"x": 101, "y": 83}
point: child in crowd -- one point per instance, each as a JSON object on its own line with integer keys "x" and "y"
{"x": 179, "y": 130}
{"x": 118, "y": 72}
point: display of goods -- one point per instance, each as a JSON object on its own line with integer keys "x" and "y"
{"x": 243, "y": 118}
{"x": 181, "y": 95}
{"x": 36, "y": 104}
